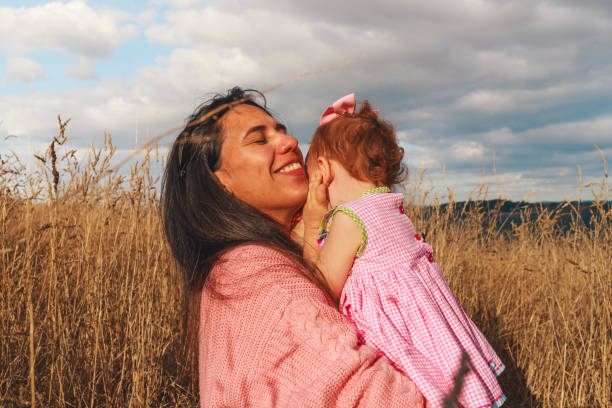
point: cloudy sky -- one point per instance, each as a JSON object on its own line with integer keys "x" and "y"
{"x": 511, "y": 93}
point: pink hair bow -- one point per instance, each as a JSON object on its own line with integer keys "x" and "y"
{"x": 346, "y": 104}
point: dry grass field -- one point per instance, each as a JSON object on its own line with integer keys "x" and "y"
{"x": 90, "y": 302}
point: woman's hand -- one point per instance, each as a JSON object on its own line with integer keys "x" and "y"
{"x": 317, "y": 202}
{"x": 297, "y": 230}
{"x": 317, "y": 205}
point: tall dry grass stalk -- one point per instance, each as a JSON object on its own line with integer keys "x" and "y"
{"x": 539, "y": 292}
{"x": 90, "y": 304}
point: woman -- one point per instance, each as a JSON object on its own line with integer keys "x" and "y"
{"x": 266, "y": 333}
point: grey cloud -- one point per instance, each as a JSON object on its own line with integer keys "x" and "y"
{"x": 529, "y": 78}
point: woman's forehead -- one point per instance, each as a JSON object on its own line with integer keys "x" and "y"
{"x": 242, "y": 117}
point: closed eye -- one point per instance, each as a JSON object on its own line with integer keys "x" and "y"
{"x": 281, "y": 128}
{"x": 258, "y": 137}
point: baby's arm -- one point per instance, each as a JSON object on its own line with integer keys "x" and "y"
{"x": 336, "y": 257}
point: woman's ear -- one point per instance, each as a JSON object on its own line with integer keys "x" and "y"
{"x": 223, "y": 178}
{"x": 325, "y": 169}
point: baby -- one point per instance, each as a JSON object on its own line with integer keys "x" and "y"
{"x": 379, "y": 269}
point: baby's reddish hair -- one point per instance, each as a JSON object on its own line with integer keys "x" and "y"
{"x": 365, "y": 145}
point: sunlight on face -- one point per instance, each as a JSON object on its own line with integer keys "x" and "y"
{"x": 261, "y": 164}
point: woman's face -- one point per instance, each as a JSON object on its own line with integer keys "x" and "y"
{"x": 260, "y": 164}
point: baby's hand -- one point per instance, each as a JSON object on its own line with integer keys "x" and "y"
{"x": 317, "y": 203}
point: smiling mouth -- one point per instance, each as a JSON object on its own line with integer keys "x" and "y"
{"x": 290, "y": 167}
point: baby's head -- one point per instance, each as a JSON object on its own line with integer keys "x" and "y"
{"x": 363, "y": 144}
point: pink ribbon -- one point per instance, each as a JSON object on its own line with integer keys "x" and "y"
{"x": 346, "y": 104}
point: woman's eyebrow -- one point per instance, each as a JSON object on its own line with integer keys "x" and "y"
{"x": 260, "y": 128}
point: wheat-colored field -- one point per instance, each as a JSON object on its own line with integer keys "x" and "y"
{"x": 90, "y": 305}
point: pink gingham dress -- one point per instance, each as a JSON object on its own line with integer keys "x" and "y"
{"x": 401, "y": 305}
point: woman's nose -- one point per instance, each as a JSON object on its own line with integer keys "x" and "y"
{"x": 286, "y": 144}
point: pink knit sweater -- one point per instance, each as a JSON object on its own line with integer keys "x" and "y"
{"x": 271, "y": 338}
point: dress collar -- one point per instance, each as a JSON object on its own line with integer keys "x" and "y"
{"x": 381, "y": 189}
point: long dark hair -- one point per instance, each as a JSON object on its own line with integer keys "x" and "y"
{"x": 201, "y": 219}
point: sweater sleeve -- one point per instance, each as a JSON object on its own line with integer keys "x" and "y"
{"x": 324, "y": 365}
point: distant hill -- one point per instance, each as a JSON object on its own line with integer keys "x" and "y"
{"x": 504, "y": 213}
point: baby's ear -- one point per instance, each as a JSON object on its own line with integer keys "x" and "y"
{"x": 325, "y": 169}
